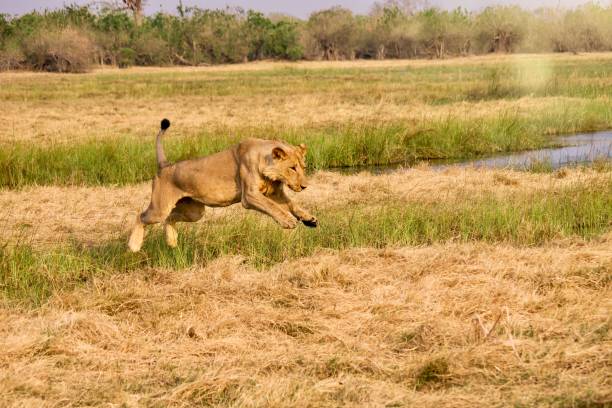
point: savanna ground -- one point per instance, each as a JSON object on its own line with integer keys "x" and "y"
{"x": 456, "y": 287}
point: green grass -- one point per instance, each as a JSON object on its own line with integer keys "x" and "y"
{"x": 30, "y": 276}
{"x": 435, "y": 84}
{"x": 127, "y": 161}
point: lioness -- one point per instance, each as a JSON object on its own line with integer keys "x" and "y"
{"x": 252, "y": 172}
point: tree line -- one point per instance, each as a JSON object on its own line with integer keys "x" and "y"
{"x": 72, "y": 38}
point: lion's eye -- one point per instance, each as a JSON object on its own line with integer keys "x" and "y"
{"x": 294, "y": 168}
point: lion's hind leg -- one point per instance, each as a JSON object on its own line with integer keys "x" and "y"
{"x": 137, "y": 235}
{"x": 186, "y": 210}
{"x": 164, "y": 197}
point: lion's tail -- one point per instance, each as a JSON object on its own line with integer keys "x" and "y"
{"x": 161, "y": 156}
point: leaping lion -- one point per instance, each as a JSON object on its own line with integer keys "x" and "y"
{"x": 252, "y": 172}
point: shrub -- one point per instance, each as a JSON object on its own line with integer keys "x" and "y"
{"x": 5, "y": 29}
{"x": 221, "y": 36}
{"x": 113, "y": 31}
{"x": 501, "y": 28}
{"x": 387, "y": 33}
{"x": 11, "y": 57}
{"x": 284, "y": 41}
{"x": 63, "y": 50}
{"x": 586, "y": 28}
{"x": 127, "y": 57}
{"x": 333, "y": 31}
{"x": 150, "y": 49}
{"x": 443, "y": 32}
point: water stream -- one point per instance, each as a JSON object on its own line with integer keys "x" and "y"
{"x": 576, "y": 149}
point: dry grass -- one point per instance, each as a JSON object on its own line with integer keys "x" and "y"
{"x": 357, "y": 63}
{"x": 444, "y": 325}
{"x": 42, "y": 216}
{"x": 103, "y": 118}
{"x": 449, "y": 324}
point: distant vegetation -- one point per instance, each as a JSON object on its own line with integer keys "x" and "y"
{"x": 73, "y": 38}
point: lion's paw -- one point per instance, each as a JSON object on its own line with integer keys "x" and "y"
{"x": 312, "y": 223}
{"x": 289, "y": 223}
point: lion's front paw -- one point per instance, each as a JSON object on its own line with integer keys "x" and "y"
{"x": 289, "y": 223}
{"x": 312, "y": 222}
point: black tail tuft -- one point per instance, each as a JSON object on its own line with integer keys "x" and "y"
{"x": 165, "y": 124}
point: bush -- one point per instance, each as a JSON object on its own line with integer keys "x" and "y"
{"x": 283, "y": 41}
{"x": 150, "y": 50}
{"x": 586, "y": 28}
{"x": 63, "y": 50}
{"x": 333, "y": 31}
{"x": 113, "y": 31}
{"x": 221, "y": 36}
{"x": 11, "y": 57}
{"x": 501, "y": 28}
{"x": 442, "y": 32}
{"x": 127, "y": 57}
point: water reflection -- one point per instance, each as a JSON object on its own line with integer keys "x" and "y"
{"x": 578, "y": 149}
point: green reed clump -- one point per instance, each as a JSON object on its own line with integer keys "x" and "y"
{"x": 94, "y": 162}
{"x": 131, "y": 161}
{"x": 30, "y": 276}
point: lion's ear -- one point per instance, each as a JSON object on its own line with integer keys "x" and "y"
{"x": 279, "y": 154}
{"x": 303, "y": 148}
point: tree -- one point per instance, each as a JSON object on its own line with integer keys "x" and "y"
{"x": 114, "y": 30}
{"x": 587, "y": 28}
{"x": 501, "y": 28}
{"x": 220, "y": 35}
{"x": 445, "y": 32}
{"x": 333, "y": 30}
{"x": 5, "y": 29}
{"x": 283, "y": 40}
{"x": 433, "y": 32}
{"x": 406, "y": 7}
{"x": 135, "y": 6}
{"x": 258, "y": 30}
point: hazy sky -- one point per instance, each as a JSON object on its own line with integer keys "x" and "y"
{"x": 299, "y": 8}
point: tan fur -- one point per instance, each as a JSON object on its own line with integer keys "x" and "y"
{"x": 253, "y": 172}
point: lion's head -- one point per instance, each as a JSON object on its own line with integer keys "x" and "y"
{"x": 288, "y": 165}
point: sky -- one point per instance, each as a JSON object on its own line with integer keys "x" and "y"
{"x": 298, "y": 8}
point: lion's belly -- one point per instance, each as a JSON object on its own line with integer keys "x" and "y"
{"x": 211, "y": 180}
{"x": 218, "y": 196}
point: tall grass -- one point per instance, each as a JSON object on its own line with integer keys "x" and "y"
{"x": 127, "y": 161}
{"x": 130, "y": 161}
{"x": 30, "y": 275}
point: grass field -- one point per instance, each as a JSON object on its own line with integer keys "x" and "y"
{"x": 98, "y": 128}
{"x": 421, "y": 287}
